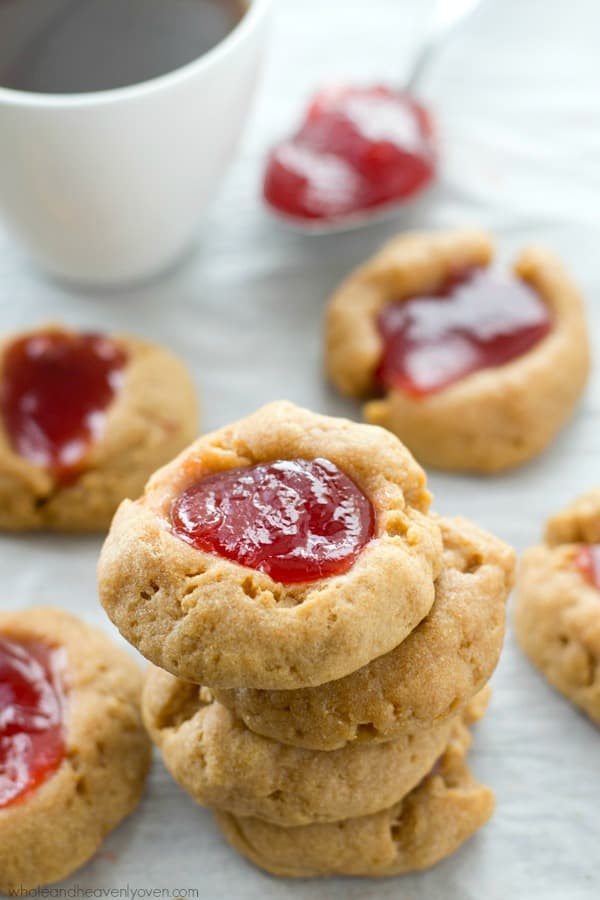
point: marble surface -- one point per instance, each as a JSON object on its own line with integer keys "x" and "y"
{"x": 516, "y": 96}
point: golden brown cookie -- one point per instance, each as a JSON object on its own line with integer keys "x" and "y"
{"x": 491, "y": 419}
{"x": 578, "y": 523}
{"x": 428, "y": 678}
{"x": 102, "y": 758}
{"x": 212, "y": 621}
{"x": 223, "y": 764}
{"x": 150, "y": 418}
{"x": 557, "y": 608}
{"x": 430, "y": 823}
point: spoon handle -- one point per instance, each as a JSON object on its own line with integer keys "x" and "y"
{"x": 446, "y": 15}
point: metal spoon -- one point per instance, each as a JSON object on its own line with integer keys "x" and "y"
{"x": 445, "y": 17}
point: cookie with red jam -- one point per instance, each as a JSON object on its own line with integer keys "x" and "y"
{"x": 428, "y": 824}
{"x": 283, "y": 551}
{"x": 473, "y": 367}
{"x": 85, "y": 418}
{"x": 425, "y": 680}
{"x": 73, "y": 750}
{"x": 224, "y": 765}
{"x": 557, "y": 607}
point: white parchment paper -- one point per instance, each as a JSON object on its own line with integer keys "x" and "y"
{"x": 517, "y": 96}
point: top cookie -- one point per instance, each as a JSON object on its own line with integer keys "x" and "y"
{"x": 84, "y": 421}
{"x": 479, "y": 369}
{"x": 351, "y": 502}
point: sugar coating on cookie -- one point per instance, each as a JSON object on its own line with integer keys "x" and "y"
{"x": 73, "y": 770}
{"x": 481, "y": 398}
{"x": 85, "y": 418}
{"x": 208, "y": 619}
{"x": 426, "y": 679}
{"x": 222, "y": 764}
{"x": 430, "y": 823}
{"x": 557, "y": 607}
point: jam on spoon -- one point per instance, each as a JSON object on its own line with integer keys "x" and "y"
{"x": 296, "y": 520}
{"x": 55, "y": 389}
{"x": 357, "y": 149}
{"x": 32, "y": 743}
{"x": 587, "y": 560}
{"x": 478, "y": 319}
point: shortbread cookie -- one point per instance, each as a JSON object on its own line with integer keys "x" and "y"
{"x": 439, "y": 815}
{"x": 84, "y": 421}
{"x": 338, "y": 555}
{"x": 557, "y": 610}
{"x": 223, "y": 764}
{"x": 73, "y": 751}
{"x": 428, "y": 678}
{"x": 478, "y": 370}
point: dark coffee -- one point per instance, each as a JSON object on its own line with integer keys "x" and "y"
{"x": 74, "y": 46}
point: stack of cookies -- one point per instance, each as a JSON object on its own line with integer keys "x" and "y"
{"x": 321, "y": 642}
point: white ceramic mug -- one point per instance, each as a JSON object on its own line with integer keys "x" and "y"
{"x": 109, "y": 187}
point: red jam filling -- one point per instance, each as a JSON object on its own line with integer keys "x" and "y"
{"x": 357, "y": 148}
{"x": 587, "y": 561}
{"x": 32, "y": 744}
{"x": 478, "y": 319}
{"x": 55, "y": 389}
{"x": 296, "y": 520}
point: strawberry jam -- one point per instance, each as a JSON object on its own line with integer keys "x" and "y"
{"x": 295, "y": 519}
{"x": 357, "y": 149}
{"x": 587, "y": 561}
{"x": 55, "y": 389}
{"x": 477, "y": 320}
{"x": 32, "y": 743}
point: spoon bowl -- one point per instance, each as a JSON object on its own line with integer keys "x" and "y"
{"x": 377, "y": 215}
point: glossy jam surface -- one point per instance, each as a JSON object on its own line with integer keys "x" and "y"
{"x": 32, "y": 744}
{"x": 478, "y": 320}
{"x": 357, "y": 149}
{"x": 587, "y": 560}
{"x": 55, "y": 389}
{"x": 296, "y": 520}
